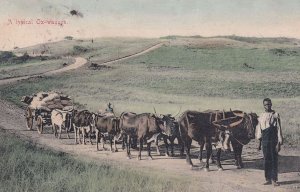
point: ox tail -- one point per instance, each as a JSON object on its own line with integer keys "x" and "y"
{"x": 183, "y": 120}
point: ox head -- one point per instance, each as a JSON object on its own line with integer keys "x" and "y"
{"x": 253, "y": 121}
{"x": 167, "y": 124}
{"x": 250, "y": 123}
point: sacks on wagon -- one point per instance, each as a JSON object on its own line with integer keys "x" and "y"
{"x": 48, "y": 101}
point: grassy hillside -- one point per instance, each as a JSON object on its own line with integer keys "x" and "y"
{"x": 51, "y": 56}
{"x": 26, "y": 167}
{"x": 101, "y": 48}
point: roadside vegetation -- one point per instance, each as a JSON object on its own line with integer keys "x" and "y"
{"x": 27, "y": 167}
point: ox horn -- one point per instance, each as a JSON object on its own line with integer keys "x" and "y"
{"x": 178, "y": 112}
{"x": 154, "y": 111}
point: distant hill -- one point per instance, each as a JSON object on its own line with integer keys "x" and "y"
{"x": 262, "y": 39}
{"x": 180, "y": 36}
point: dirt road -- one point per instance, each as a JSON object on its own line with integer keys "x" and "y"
{"x": 231, "y": 179}
{"x": 79, "y": 62}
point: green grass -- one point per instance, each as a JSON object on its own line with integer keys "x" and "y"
{"x": 32, "y": 67}
{"x": 26, "y": 167}
{"x": 221, "y": 59}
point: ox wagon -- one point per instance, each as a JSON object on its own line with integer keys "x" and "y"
{"x": 41, "y": 114}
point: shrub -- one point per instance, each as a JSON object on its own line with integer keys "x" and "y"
{"x": 6, "y": 56}
{"x": 68, "y": 37}
{"x": 79, "y": 49}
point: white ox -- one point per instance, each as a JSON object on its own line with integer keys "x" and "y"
{"x": 61, "y": 120}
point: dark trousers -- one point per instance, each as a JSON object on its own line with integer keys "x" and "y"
{"x": 269, "y": 142}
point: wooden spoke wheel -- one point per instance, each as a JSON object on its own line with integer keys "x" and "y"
{"x": 29, "y": 118}
{"x": 39, "y": 124}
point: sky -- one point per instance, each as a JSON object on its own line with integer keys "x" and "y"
{"x": 144, "y": 18}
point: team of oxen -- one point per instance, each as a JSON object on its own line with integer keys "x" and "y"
{"x": 208, "y": 128}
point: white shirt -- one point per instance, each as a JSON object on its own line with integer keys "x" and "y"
{"x": 266, "y": 120}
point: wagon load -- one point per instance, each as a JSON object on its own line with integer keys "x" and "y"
{"x": 48, "y": 101}
{"x": 41, "y": 105}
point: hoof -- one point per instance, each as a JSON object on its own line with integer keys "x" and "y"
{"x": 116, "y": 150}
{"x": 150, "y": 158}
{"x": 167, "y": 155}
{"x": 201, "y": 161}
{"x": 211, "y": 161}
{"x": 128, "y": 157}
{"x": 220, "y": 169}
{"x": 239, "y": 167}
{"x": 206, "y": 169}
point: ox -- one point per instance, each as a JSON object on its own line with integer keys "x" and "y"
{"x": 194, "y": 125}
{"x": 170, "y": 122}
{"x": 143, "y": 126}
{"x": 83, "y": 124}
{"x": 242, "y": 129}
{"x": 61, "y": 120}
{"x": 106, "y": 125}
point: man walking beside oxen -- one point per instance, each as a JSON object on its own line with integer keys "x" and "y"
{"x": 269, "y": 133}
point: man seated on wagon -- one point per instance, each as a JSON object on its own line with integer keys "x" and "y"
{"x": 109, "y": 108}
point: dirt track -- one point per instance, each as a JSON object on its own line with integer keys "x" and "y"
{"x": 231, "y": 179}
{"x": 79, "y": 62}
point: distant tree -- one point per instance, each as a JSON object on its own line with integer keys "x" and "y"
{"x": 68, "y": 37}
{"x": 79, "y": 49}
{"x": 24, "y": 57}
{"x": 6, "y": 55}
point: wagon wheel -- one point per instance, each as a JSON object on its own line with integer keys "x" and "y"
{"x": 39, "y": 124}
{"x": 29, "y": 118}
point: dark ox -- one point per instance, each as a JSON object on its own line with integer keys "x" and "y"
{"x": 220, "y": 137}
{"x": 174, "y": 128}
{"x": 106, "y": 125}
{"x": 83, "y": 124}
{"x": 143, "y": 126}
{"x": 194, "y": 125}
{"x": 242, "y": 129}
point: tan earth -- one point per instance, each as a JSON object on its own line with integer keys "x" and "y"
{"x": 231, "y": 179}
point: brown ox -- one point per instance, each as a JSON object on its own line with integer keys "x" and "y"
{"x": 143, "y": 126}
{"x": 83, "y": 124}
{"x": 106, "y": 125}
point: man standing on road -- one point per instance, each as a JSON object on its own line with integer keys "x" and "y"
{"x": 269, "y": 133}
